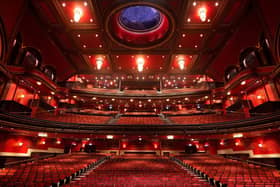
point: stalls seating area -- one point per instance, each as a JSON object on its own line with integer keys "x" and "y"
{"x": 141, "y": 171}
{"x": 232, "y": 172}
{"x": 46, "y": 172}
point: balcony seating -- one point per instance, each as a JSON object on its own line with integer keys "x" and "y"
{"x": 46, "y": 172}
{"x": 74, "y": 118}
{"x": 141, "y": 171}
{"x": 206, "y": 118}
{"x": 232, "y": 172}
{"x": 139, "y": 120}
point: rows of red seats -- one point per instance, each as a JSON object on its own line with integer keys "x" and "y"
{"x": 232, "y": 172}
{"x": 132, "y": 172}
{"x": 45, "y": 172}
{"x": 139, "y": 120}
{"x": 205, "y": 118}
{"x": 74, "y": 118}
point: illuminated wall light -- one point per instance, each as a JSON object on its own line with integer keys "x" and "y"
{"x": 78, "y": 13}
{"x": 63, "y": 4}
{"x": 208, "y": 20}
{"x": 190, "y": 144}
{"x": 38, "y": 83}
{"x": 237, "y": 135}
{"x": 74, "y": 143}
{"x": 180, "y": 46}
{"x": 74, "y": 96}
{"x": 140, "y": 63}
{"x": 201, "y": 35}
{"x": 85, "y": 3}
{"x": 222, "y": 142}
{"x": 231, "y": 98}
{"x": 20, "y": 144}
{"x": 194, "y": 3}
{"x": 42, "y": 134}
{"x": 167, "y": 100}
{"x": 243, "y": 83}
{"x": 49, "y": 97}
{"x": 181, "y": 63}
{"x": 228, "y": 93}
{"x": 155, "y": 146}
{"x": 189, "y": 19}
{"x": 237, "y": 143}
{"x": 53, "y": 93}
{"x": 259, "y": 97}
{"x": 58, "y": 142}
{"x": 84, "y": 46}
{"x": 124, "y": 145}
{"x": 202, "y": 12}
{"x": 216, "y": 3}
{"x": 149, "y": 100}
{"x": 99, "y": 63}
{"x": 170, "y": 137}
{"x": 260, "y": 145}
{"x": 22, "y": 96}
{"x": 109, "y": 137}
{"x": 90, "y": 144}
{"x": 100, "y": 46}
{"x": 183, "y": 35}
{"x": 131, "y": 100}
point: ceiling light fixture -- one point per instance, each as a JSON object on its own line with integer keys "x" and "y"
{"x": 109, "y": 136}
{"x": 39, "y": 83}
{"x": 202, "y": 12}
{"x": 243, "y": 83}
{"x": 140, "y": 63}
{"x": 78, "y": 13}
{"x": 181, "y": 63}
{"x": 170, "y": 137}
{"x": 99, "y": 63}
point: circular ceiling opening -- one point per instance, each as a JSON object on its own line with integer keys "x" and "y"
{"x": 140, "y": 18}
{"x": 140, "y": 26}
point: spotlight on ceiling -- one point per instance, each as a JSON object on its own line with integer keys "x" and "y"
{"x": 202, "y": 12}
{"x": 78, "y": 13}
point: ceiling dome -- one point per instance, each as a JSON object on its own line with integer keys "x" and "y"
{"x": 140, "y": 18}
{"x": 140, "y": 26}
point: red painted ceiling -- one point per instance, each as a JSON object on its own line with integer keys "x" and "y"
{"x": 65, "y": 44}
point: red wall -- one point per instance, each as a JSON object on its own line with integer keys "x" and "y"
{"x": 263, "y": 145}
{"x": 11, "y": 144}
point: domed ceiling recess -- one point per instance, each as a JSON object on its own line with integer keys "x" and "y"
{"x": 140, "y": 26}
